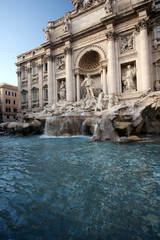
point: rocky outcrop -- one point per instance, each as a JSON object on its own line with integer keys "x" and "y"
{"x": 23, "y": 129}
{"x": 118, "y": 123}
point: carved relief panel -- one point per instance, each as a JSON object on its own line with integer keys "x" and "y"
{"x": 60, "y": 62}
{"x": 126, "y": 43}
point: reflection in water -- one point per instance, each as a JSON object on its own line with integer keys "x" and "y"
{"x": 71, "y": 188}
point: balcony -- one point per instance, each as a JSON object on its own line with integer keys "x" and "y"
{"x": 35, "y": 103}
{"x": 35, "y": 78}
{"x": 24, "y": 82}
{"x": 24, "y": 105}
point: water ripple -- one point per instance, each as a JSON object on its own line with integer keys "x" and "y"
{"x": 71, "y": 188}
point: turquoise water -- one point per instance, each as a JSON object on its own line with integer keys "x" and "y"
{"x": 71, "y": 188}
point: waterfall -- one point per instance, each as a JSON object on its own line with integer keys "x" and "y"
{"x": 95, "y": 130}
{"x": 65, "y": 126}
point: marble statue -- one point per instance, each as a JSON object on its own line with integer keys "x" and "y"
{"x": 47, "y": 34}
{"x": 100, "y": 102}
{"x": 128, "y": 79}
{"x": 87, "y": 3}
{"x": 88, "y": 84}
{"x": 76, "y": 4}
{"x": 84, "y": 4}
{"x": 66, "y": 22}
{"x": 113, "y": 100}
{"x": 62, "y": 91}
{"x": 108, "y": 6}
{"x": 157, "y": 85}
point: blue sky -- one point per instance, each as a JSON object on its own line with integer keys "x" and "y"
{"x": 21, "y": 24}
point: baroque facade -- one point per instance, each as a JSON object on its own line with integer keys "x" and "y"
{"x": 116, "y": 43}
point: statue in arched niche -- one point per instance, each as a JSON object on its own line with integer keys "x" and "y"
{"x": 129, "y": 79}
{"x": 89, "y": 87}
{"x": 62, "y": 91}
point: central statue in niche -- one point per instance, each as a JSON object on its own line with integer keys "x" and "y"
{"x": 89, "y": 87}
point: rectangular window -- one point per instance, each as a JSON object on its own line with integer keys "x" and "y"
{"x": 46, "y": 93}
{"x": 158, "y": 5}
{"x": 8, "y": 109}
{"x": 35, "y": 95}
{"x": 14, "y": 110}
{"x": 8, "y": 101}
{"x": 14, "y": 94}
{"x": 14, "y": 102}
{"x": 45, "y": 67}
{"x": 7, "y": 116}
{"x": 24, "y": 73}
{"x": 34, "y": 70}
{"x": 24, "y": 97}
{"x": 158, "y": 31}
{"x": 8, "y": 93}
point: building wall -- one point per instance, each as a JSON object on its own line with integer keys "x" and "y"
{"x": 9, "y": 102}
{"x": 122, "y": 35}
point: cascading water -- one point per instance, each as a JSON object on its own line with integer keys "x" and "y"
{"x": 65, "y": 126}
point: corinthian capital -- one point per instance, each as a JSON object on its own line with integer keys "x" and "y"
{"x": 49, "y": 57}
{"x": 142, "y": 24}
{"x": 67, "y": 50}
{"x": 111, "y": 35}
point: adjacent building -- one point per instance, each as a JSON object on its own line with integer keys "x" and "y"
{"x": 116, "y": 42}
{"x": 8, "y": 103}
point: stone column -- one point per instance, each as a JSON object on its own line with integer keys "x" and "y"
{"x": 29, "y": 86}
{"x": 19, "y": 88}
{"x": 69, "y": 78}
{"x": 104, "y": 80}
{"x": 145, "y": 56}
{"x": 112, "y": 73}
{"x": 50, "y": 80}
{"x": 40, "y": 74}
{"x": 54, "y": 82}
{"x": 78, "y": 85}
